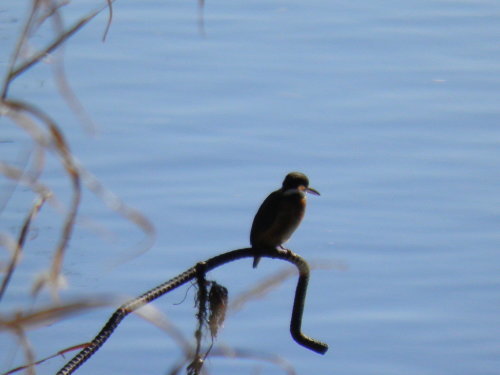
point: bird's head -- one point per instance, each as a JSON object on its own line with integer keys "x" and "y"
{"x": 297, "y": 182}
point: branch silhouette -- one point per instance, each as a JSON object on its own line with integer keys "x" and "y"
{"x": 194, "y": 273}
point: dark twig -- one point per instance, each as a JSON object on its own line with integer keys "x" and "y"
{"x": 196, "y": 364}
{"x": 298, "y": 308}
{"x": 190, "y": 274}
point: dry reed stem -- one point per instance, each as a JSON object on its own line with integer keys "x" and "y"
{"x": 18, "y": 323}
{"x": 27, "y": 348}
{"x": 60, "y": 146}
{"x": 228, "y": 352}
{"x": 50, "y": 314}
{"x": 54, "y": 139}
{"x": 40, "y": 361}
{"x": 40, "y": 12}
{"x": 20, "y": 177}
{"x": 14, "y": 71}
{"x": 71, "y": 99}
{"x": 266, "y": 285}
{"x": 47, "y": 136}
{"x": 111, "y": 200}
{"x": 110, "y": 19}
{"x": 20, "y": 244}
{"x": 154, "y": 316}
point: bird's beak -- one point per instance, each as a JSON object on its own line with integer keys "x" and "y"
{"x": 312, "y": 191}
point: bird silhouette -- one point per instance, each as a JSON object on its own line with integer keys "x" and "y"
{"x": 280, "y": 214}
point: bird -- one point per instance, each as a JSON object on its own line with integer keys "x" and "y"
{"x": 280, "y": 214}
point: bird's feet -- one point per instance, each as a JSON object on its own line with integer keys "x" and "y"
{"x": 284, "y": 250}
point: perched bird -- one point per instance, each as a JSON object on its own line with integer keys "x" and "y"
{"x": 280, "y": 213}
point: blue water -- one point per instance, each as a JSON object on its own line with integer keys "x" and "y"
{"x": 391, "y": 109}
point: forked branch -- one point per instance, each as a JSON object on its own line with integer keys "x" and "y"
{"x": 190, "y": 274}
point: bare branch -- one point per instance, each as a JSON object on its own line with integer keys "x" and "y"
{"x": 192, "y": 273}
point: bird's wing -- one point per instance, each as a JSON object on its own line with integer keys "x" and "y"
{"x": 266, "y": 215}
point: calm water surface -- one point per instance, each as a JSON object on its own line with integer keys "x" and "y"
{"x": 392, "y": 110}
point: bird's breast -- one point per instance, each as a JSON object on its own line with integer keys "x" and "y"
{"x": 290, "y": 215}
{"x": 277, "y": 219}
